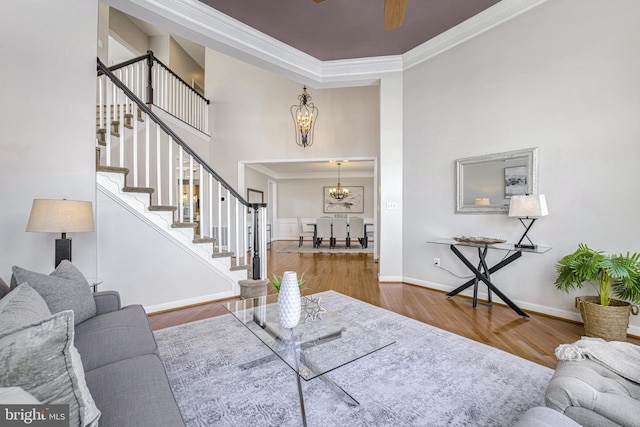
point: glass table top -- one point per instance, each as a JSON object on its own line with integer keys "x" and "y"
{"x": 322, "y": 340}
{"x": 499, "y": 246}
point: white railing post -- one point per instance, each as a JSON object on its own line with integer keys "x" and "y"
{"x": 200, "y": 201}
{"x": 179, "y": 195}
{"x": 191, "y": 204}
{"x": 158, "y": 167}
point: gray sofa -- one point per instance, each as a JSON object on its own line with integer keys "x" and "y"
{"x": 123, "y": 368}
{"x": 120, "y": 362}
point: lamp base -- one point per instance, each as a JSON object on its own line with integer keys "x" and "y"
{"x": 63, "y": 250}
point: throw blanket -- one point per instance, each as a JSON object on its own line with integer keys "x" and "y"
{"x": 622, "y": 358}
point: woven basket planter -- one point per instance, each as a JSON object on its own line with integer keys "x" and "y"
{"x": 609, "y": 323}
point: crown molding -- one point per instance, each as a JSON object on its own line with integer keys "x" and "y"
{"x": 264, "y": 169}
{"x": 194, "y": 20}
{"x": 489, "y": 18}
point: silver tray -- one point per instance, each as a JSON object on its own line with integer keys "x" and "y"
{"x": 480, "y": 240}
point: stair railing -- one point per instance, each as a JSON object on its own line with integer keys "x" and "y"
{"x": 149, "y": 79}
{"x": 132, "y": 136}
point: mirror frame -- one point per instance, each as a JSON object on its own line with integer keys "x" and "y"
{"x": 529, "y": 154}
{"x": 253, "y": 195}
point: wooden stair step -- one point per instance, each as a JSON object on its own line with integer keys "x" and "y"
{"x": 112, "y": 169}
{"x": 184, "y": 225}
{"x": 240, "y": 267}
{"x": 163, "y": 208}
{"x": 147, "y": 190}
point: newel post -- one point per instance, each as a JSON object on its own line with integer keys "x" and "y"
{"x": 256, "y": 240}
{"x": 150, "y": 62}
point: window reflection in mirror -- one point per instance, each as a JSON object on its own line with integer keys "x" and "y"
{"x": 485, "y": 184}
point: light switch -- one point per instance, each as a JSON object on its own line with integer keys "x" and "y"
{"x": 392, "y": 205}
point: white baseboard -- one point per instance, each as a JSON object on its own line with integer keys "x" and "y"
{"x": 542, "y": 309}
{"x": 188, "y": 301}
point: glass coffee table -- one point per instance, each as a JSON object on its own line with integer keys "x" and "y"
{"x": 321, "y": 342}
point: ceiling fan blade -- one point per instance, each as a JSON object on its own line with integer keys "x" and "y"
{"x": 318, "y": 1}
{"x": 394, "y": 11}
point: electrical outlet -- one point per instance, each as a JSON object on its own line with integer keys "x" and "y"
{"x": 436, "y": 261}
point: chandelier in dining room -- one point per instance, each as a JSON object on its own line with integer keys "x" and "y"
{"x": 339, "y": 192}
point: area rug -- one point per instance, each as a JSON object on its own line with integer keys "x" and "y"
{"x": 341, "y": 248}
{"x": 428, "y": 377}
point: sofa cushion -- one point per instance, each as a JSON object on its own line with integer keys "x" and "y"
{"x": 591, "y": 394}
{"x": 41, "y": 359}
{"x": 20, "y": 307}
{"x": 4, "y": 288}
{"x": 134, "y": 392}
{"x": 64, "y": 289}
{"x": 114, "y": 336}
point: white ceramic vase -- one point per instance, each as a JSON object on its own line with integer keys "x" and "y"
{"x": 289, "y": 300}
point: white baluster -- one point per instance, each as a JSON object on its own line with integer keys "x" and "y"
{"x": 170, "y": 161}
{"x": 202, "y": 206}
{"x": 180, "y": 194}
{"x": 147, "y": 155}
{"x": 191, "y": 204}
{"x": 158, "y": 168}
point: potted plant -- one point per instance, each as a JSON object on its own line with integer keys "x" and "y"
{"x": 618, "y": 275}
{"x": 276, "y": 282}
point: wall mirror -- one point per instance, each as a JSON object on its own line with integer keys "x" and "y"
{"x": 484, "y": 184}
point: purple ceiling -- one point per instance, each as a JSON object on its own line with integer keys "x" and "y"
{"x": 343, "y": 29}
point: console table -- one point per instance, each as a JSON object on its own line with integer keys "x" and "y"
{"x": 482, "y": 273}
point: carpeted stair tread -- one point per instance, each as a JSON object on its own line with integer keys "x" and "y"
{"x": 163, "y": 208}
{"x": 184, "y": 225}
{"x": 221, "y": 254}
{"x": 148, "y": 190}
{"x": 204, "y": 239}
{"x": 112, "y": 169}
{"x": 100, "y": 133}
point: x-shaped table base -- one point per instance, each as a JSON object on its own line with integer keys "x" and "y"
{"x": 483, "y": 273}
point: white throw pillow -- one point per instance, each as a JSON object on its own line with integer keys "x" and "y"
{"x": 41, "y": 359}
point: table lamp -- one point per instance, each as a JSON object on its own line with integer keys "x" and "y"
{"x": 61, "y": 216}
{"x": 529, "y": 207}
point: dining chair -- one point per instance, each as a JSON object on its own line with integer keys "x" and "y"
{"x": 356, "y": 230}
{"x": 302, "y": 234}
{"x": 323, "y": 230}
{"x": 339, "y": 230}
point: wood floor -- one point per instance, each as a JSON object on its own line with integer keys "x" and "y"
{"x": 355, "y": 275}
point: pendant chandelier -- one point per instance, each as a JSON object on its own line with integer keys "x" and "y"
{"x": 339, "y": 192}
{"x": 304, "y": 117}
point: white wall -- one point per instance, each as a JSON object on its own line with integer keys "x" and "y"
{"x": 148, "y": 268}
{"x": 250, "y": 118}
{"x": 48, "y": 68}
{"x": 128, "y": 33}
{"x": 562, "y": 77}
{"x": 305, "y": 197}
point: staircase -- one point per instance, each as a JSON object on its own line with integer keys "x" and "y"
{"x": 145, "y": 167}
